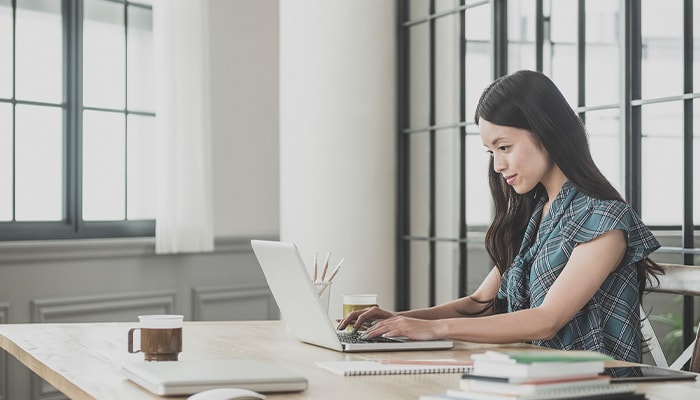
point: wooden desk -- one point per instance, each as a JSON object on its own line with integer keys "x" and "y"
{"x": 83, "y": 361}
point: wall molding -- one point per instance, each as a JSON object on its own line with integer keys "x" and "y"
{"x": 49, "y": 310}
{"x": 201, "y": 297}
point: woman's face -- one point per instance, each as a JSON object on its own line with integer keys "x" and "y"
{"x": 517, "y": 157}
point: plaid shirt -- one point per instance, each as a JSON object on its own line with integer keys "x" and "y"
{"x": 609, "y": 323}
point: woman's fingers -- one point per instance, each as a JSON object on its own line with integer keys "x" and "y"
{"x": 378, "y": 328}
{"x": 346, "y": 320}
{"x": 402, "y": 326}
{"x": 361, "y": 318}
{"x": 365, "y": 317}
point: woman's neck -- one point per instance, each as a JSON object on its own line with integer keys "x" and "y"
{"x": 553, "y": 182}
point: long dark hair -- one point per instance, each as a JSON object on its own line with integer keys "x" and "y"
{"x": 529, "y": 100}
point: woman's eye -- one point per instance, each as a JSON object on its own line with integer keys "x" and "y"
{"x": 503, "y": 148}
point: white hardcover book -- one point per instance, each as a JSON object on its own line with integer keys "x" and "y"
{"x": 539, "y": 370}
{"x": 487, "y": 385}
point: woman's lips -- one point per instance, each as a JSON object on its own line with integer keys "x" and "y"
{"x": 510, "y": 179}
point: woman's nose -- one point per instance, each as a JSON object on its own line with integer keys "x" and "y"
{"x": 498, "y": 163}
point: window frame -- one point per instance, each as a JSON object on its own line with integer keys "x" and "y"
{"x": 630, "y": 105}
{"x": 72, "y": 225}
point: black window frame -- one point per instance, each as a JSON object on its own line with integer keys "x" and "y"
{"x": 72, "y": 226}
{"x": 632, "y": 100}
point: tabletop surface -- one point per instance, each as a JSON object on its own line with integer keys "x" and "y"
{"x": 84, "y": 361}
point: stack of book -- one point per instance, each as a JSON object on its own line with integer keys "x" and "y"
{"x": 538, "y": 375}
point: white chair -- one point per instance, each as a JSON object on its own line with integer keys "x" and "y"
{"x": 682, "y": 280}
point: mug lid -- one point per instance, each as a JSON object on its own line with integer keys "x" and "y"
{"x": 161, "y": 321}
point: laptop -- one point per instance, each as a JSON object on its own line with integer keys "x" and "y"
{"x": 167, "y": 378}
{"x": 293, "y": 291}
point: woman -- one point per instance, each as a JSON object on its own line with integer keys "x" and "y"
{"x": 570, "y": 255}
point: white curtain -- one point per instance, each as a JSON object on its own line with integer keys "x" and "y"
{"x": 184, "y": 220}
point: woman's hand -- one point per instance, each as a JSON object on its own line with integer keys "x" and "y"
{"x": 411, "y": 328}
{"x": 366, "y": 316}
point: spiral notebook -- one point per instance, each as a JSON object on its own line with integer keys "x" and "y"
{"x": 397, "y": 367}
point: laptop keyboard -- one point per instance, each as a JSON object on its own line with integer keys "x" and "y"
{"x": 354, "y": 337}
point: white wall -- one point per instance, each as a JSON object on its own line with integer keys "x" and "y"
{"x": 337, "y": 138}
{"x": 245, "y": 122}
{"x": 303, "y": 118}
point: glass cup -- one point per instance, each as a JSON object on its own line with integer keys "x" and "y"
{"x": 323, "y": 290}
{"x": 354, "y": 302}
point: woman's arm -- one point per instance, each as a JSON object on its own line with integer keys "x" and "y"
{"x": 589, "y": 265}
{"x": 475, "y": 304}
{"x": 453, "y": 309}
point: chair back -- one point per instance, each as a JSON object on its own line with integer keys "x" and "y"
{"x": 695, "y": 358}
{"x": 682, "y": 280}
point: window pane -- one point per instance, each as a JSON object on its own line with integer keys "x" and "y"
{"x": 564, "y": 21}
{"x": 521, "y": 21}
{"x": 39, "y": 51}
{"x": 696, "y": 49}
{"x": 565, "y": 71}
{"x": 447, "y": 171}
{"x": 140, "y": 72}
{"x": 5, "y": 48}
{"x": 446, "y": 5}
{"x": 103, "y": 55}
{"x": 478, "y": 60}
{"x": 604, "y": 52}
{"x": 662, "y": 48}
{"x": 447, "y": 43}
{"x": 478, "y": 23}
{"x": 418, "y": 9}
{"x": 479, "y": 74}
{"x": 521, "y": 35}
{"x": 6, "y": 161}
{"x": 446, "y": 271}
{"x": 562, "y": 52}
{"x": 419, "y": 183}
{"x": 104, "y": 171}
{"x": 419, "y": 82}
{"x": 696, "y": 174}
{"x": 662, "y": 163}
{"x": 606, "y": 142}
{"x": 521, "y": 56}
{"x": 39, "y": 163}
{"x": 603, "y": 79}
{"x": 696, "y": 162}
{"x": 141, "y": 168}
{"x": 418, "y": 270}
{"x": 478, "y": 193}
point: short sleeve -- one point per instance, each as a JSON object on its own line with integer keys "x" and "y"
{"x": 606, "y": 215}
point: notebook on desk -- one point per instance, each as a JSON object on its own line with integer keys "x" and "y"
{"x": 166, "y": 378}
{"x": 292, "y": 289}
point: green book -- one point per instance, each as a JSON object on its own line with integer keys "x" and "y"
{"x": 533, "y": 356}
